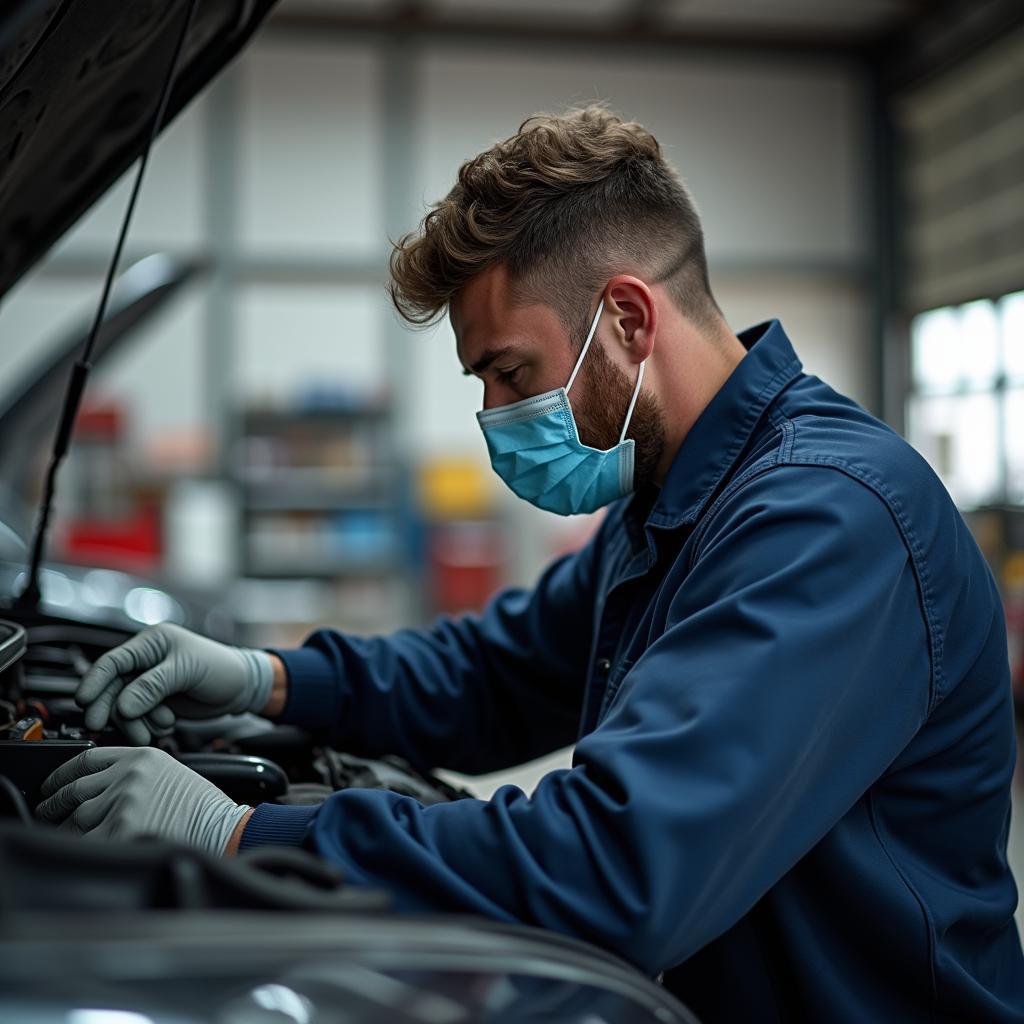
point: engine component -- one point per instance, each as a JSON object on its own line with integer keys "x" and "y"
{"x": 27, "y": 763}
{"x": 12, "y": 648}
{"x": 346, "y": 771}
{"x": 246, "y": 779}
{"x": 28, "y": 728}
{"x": 40, "y": 870}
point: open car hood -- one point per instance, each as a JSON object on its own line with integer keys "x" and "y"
{"x": 79, "y": 85}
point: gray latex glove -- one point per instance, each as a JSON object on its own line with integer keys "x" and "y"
{"x": 167, "y": 670}
{"x": 124, "y": 792}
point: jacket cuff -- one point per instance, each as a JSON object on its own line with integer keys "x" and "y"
{"x": 277, "y": 825}
{"x": 313, "y": 696}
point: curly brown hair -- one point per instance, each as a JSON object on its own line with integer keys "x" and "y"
{"x": 565, "y": 203}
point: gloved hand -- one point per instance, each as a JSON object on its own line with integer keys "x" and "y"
{"x": 167, "y": 670}
{"x": 124, "y": 792}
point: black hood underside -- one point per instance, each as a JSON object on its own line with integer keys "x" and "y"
{"x": 79, "y": 85}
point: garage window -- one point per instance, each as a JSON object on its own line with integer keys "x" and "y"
{"x": 966, "y": 404}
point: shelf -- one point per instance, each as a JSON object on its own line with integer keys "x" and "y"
{"x": 312, "y": 489}
{"x": 319, "y": 568}
{"x": 317, "y": 500}
{"x": 274, "y": 420}
{"x": 361, "y": 604}
{"x": 315, "y": 477}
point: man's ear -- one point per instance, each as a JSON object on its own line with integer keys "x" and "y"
{"x": 635, "y": 315}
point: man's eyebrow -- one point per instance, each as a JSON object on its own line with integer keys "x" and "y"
{"x": 485, "y": 360}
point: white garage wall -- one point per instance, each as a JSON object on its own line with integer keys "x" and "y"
{"x": 825, "y": 315}
{"x": 770, "y": 152}
{"x": 310, "y": 181}
{"x": 300, "y": 338}
{"x": 160, "y": 378}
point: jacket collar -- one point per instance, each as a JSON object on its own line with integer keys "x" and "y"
{"x": 723, "y": 429}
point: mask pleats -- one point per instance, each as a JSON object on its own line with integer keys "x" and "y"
{"x": 541, "y": 458}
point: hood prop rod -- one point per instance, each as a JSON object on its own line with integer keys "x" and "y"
{"x": 28, "y": 599}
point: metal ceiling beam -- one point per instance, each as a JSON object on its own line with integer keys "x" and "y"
{"x": 946, "y": 33}
{"x": 638, "y": 31}
{"x": 644, "y": 13}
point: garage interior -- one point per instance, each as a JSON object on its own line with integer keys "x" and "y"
{"x": 274, "y": 444}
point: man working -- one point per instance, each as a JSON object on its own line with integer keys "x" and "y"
{"x": 782, "y": 658}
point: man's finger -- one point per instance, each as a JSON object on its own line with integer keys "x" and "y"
{"x": 89, "y": 761}
{"x": 135, "y": 730}
{"x": 160, "y": 721}
{"x": 162, "y": 717}
{"x": 149, "y": 691}
{"x": 85, "y": 817}
{"x": 97, "y": 714}
{"x": 141, "y": 652}
{"x": 67, "y": 799}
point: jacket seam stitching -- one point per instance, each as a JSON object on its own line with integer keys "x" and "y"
{"x": 920, "y": 566}
{"x": 734, "y": 486}
{"x": 875, "y": 485}
{"x": 783, "y": 426}
{"x": 909, "y": 886}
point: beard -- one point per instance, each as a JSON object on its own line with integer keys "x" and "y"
{"x": 600, "y": 412}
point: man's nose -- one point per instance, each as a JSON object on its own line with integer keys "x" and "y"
{"x": 491, "y": 397}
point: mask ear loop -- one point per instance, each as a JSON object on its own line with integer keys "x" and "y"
{"x": 586, "y": 344}
{"x": 632, "y": 401}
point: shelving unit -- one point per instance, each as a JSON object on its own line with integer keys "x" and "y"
{"x": 324, "y": 520}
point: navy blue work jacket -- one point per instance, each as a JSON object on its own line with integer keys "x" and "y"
{"x": 786, "y": 677}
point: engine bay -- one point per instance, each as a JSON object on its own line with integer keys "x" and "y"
{"x": 251, "y": 759}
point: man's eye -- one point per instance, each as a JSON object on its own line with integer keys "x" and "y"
{"x": 510, "y": 376}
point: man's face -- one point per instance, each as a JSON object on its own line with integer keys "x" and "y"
{"x": 521, "y": 351}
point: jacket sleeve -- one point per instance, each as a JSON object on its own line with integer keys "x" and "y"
{"x": 793, "y": 670}
{"x": 474, "y": 694}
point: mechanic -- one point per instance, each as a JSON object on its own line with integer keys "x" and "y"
{"x": 782, "y": 657}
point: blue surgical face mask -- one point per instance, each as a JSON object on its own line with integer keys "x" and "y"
{"x": 535, "y": 448}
